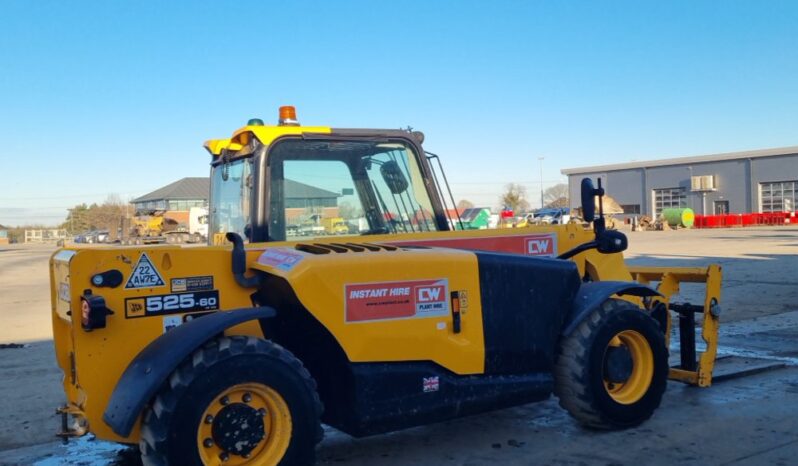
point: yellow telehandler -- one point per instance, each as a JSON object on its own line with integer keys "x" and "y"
{"x": 235, "y": 353}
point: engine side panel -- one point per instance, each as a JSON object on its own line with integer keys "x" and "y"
{"x": 524, "y": 303}
{"x": 390, "y": 306}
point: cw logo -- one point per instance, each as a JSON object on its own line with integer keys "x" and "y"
{"x": 540, "y": 246}
{"x": 429, "y": 294}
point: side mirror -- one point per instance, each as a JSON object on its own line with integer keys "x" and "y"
{"x": 611, "y": 241}
{"x": 588, "y": 203}
{"x": 393, "y": 177}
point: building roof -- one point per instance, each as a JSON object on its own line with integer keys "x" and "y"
{"x": 199, "y": 188}
{"x": 183, "y": 189}
{"x": 751, "y": 154}
{"x": 297, "y": 190}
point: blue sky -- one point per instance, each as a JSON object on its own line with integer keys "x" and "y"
{"x": 100, "y": 98}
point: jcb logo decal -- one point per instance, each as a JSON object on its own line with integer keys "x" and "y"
{"x": 134, "y": 307}
{"x": 542, "y": 245}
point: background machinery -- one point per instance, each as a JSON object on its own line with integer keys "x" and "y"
{"x": 236, "y": 352}
{"x": 158, "y": 228}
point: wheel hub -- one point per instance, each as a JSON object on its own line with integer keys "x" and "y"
{"x": 618, "y": 364}
{"x": 238, "y": 428}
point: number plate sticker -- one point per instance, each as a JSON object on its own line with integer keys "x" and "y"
{"x": 174, "y": 303}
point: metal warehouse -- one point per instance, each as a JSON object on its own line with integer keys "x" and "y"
{"x": 737, "y": 182}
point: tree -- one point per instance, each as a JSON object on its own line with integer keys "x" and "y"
{"x": 347, "y": 211}
{"x": 77, "y": 219}
{"x": 514, "y": 197}
{"x": 556, "y": 196}
{"x": 96, "y": 216}
{"x": 464, "y": 204}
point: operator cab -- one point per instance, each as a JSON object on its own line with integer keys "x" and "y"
{"x": 293, "y": 183}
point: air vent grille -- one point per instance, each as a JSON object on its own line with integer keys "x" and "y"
{"x": 327, "y": 248}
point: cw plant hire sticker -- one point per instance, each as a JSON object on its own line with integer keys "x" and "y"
{"x": 397, "y": 300}
{"x": 144, "y": 275}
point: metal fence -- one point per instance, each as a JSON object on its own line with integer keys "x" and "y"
{"x": 45, "y": 236}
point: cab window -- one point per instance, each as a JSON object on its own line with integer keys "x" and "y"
{"x": 345, "y": 188}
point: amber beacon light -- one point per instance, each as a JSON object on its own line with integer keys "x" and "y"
{"x": 288, "y": 116}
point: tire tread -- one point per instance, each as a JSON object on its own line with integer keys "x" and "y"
{"x": 154, "y": 430}
{"x": 571, "y": 374}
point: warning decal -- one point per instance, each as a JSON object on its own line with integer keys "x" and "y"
{"x": 144, "y": 275}
{"x": 397, "y": 300}
{"x": 281, "y": 258}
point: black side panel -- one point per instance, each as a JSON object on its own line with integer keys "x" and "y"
{"x": 300, "y": 332}
{"x": 524, "y": 303}
{"x": 150, "y": 368}
{"x": 392, "y": 396}
{"x": 370, "y": 398}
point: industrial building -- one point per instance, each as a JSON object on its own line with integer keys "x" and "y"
{"x": 737, "y": 182}
{"x": 181, "y": 195}
{"x": 176, "y": 199}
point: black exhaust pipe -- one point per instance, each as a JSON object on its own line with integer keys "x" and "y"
{"x": 240, "y": 263}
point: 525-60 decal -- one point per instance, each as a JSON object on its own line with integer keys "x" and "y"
{"x": 172, "y": 303}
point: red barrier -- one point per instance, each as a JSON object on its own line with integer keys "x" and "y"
{"x": 698, "y": 222}
{"x": 748, "y": 219}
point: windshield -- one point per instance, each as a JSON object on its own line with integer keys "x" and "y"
{"x": 323, "y": 188}
{"x": 231, "y": 185}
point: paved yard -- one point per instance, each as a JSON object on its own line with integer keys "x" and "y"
{"x": 742, "y": 420}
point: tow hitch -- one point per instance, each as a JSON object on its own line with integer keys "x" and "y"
{"x": 77, "y": 429}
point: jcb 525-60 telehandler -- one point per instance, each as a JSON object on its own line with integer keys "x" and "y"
{"x": 236, "y": 352}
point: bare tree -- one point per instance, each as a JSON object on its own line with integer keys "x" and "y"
{"x": 103, "y": 216}
{"x": 464, "y": 204}
{"x": 556, "y": 196}
{"x": 514, "y": 197}
{"x": 348, "y": 211}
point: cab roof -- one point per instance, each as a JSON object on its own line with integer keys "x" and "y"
{"x": 265, "y": 134}
{"x": 289, "y": 126}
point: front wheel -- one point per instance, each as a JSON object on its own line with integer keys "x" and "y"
{"x": 611, "y": 372}
{"x": 237, "y": 401}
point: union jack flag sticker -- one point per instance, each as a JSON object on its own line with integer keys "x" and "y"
{"x": 431, "y": 384}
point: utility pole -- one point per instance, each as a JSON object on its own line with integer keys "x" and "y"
{"x": 541, "y": 181}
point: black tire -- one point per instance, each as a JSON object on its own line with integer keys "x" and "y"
{"x": 169, "y": 433}
{"x": 580, "y": 368}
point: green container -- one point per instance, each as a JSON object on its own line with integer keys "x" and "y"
{"x": 681, "y": 217}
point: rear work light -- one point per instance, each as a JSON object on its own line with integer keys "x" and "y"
{"x": 287, "y": 116}
{"x": 92, "y": 311}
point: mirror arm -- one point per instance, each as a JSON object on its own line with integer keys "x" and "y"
{"x": 598, "y": 224}
{"x": 581, "y": 248}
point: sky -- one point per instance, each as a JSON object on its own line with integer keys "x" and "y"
{"x": 116, "y": 98}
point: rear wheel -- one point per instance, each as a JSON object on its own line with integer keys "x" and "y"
{"x": 612, "y": 370}
{"x": 236, "y": 401}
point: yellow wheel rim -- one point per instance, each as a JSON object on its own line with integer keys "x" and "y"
{"x": 636, "y": 386}
{"x": 249, "y": 398}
